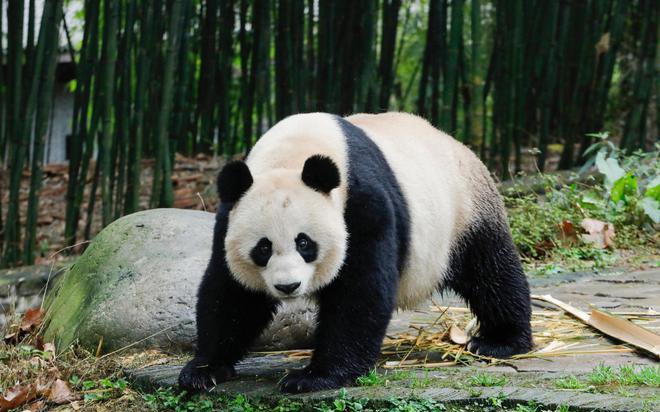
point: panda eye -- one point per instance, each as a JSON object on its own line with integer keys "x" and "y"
{"x": 306, "y": 247}
{"x": 261, "y": 253}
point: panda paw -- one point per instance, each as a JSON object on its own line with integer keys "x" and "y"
{"x": 305, "y": 380}
{"x": 198, "y": 375}
{"x": 497, "y": 349}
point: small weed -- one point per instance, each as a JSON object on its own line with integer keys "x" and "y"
{"x": 646, "y": 376}
{"x": 533, "y": 407}
{"x": 102, "y": 389}
{"x": 418, "y": 382}
{"x": 167, "y": 398}
{"x": 486, "y": 379}
{"x": 626, "y": 376}
{"x": 370, "y": 379}
{"x": 475, "y": 393}
{"x": 497, "y": 400}
{"x": 345, "y": 404}
{"x": 398, "y": 375}
{"x": 570, "y": 382}
{"x": 415, "y": 405}
{"x": 602, "y": 375}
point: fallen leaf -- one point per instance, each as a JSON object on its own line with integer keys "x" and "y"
{"x": 32, "y": 318}
{"x": 36, "y": 406}
{"x": 567, "y": 232}
{"x": 43, "y": 386}
{"x": 17, "y": 396}
{"x": 599, "y": 234}
{"x": 60, "y": 392}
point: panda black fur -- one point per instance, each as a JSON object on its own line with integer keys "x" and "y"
{"x": 365, "y": 186}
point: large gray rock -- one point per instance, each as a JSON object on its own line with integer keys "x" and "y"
{"x": 136, "y": 285}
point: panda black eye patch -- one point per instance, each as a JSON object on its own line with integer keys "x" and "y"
{"x": 262, "y": 252}
{"x": 306, "y": 247}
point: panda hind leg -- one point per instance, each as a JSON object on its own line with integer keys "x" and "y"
{"x": 486, "y": 272}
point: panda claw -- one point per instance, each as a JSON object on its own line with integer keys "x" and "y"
{"x": 198, "y": 376}
{"x": 304, "y": 380}
{"x": 487, "y": 347}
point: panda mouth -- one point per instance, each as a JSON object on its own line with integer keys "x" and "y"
{"x": 290, "y": 297}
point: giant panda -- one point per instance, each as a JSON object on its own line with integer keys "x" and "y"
{"x": 363, "y": 215}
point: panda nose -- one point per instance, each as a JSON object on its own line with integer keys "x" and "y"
{"x": 288, "y": 288}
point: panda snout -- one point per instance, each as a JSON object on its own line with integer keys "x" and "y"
{"x": 287, "y": 288}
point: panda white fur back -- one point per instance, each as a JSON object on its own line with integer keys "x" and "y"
{"x": 363, "y": 214}
{"x": 440, "y": 179}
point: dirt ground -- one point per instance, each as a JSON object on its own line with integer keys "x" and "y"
{"x": 193, "y": 189}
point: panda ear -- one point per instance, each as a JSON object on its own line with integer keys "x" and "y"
{"x": 233, "y": 181}
{"x": 320, "y": 173}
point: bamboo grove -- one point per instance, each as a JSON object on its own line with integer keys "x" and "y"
{"x": 157, "y": 77}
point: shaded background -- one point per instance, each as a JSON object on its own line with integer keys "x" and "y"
{"x": 117, "y": 88}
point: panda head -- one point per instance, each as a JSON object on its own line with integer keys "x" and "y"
{"x": 286, "y": 234}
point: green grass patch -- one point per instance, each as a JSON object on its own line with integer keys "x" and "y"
{"x": 169, "y": 400}
{"x": 370, "y": 379}
{"x": 626, "y": 376}
{"x": 570, "y": 382}
{"x": 487, "y": 380}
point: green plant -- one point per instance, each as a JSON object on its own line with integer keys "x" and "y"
{"x": 632, "y": 181}
{"x": 547, "y": 228}
{"x": 370, "y": 379}
{"x": 486, "y": 379}
{"x": 475, "y": 393}
{"x": 602, "y": 375}
{"x": 497, "y": 401}
{"x": 95, "y": 390}
{"x": 570, "y": 382}
{"x": 398, "y": 375}
{"x": 626, "y": 375}
{"x": 646, "y": 376}
{"x": 415, "y": 405}
{"x": 167, "y": 398}
{"x": 421, "y": 382}
{"x": 343, "y": 403}
{"x": 536, "y": 221}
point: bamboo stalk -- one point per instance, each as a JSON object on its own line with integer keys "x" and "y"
{"x": 163, "y": 194}
{"x": 17, "y": 145}
{"x": 77, "y": 166}
{"x": 388, "y": 42}
{"x": 48, "y": 35}
{"x": 106, "y": 97}
{"x": 141, "y": 91}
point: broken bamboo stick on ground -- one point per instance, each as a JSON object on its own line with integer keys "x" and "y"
{"x": 611, "y": 325}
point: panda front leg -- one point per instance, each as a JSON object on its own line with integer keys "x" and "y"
{"x": 486, "y": 272}
{"x": 229, "y": 319}
{"x": 354, "y": 312}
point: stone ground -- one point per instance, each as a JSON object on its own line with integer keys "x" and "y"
{"x": 532, "y": 379}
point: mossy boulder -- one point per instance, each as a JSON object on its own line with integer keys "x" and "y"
{"x": 136, "y": 285}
